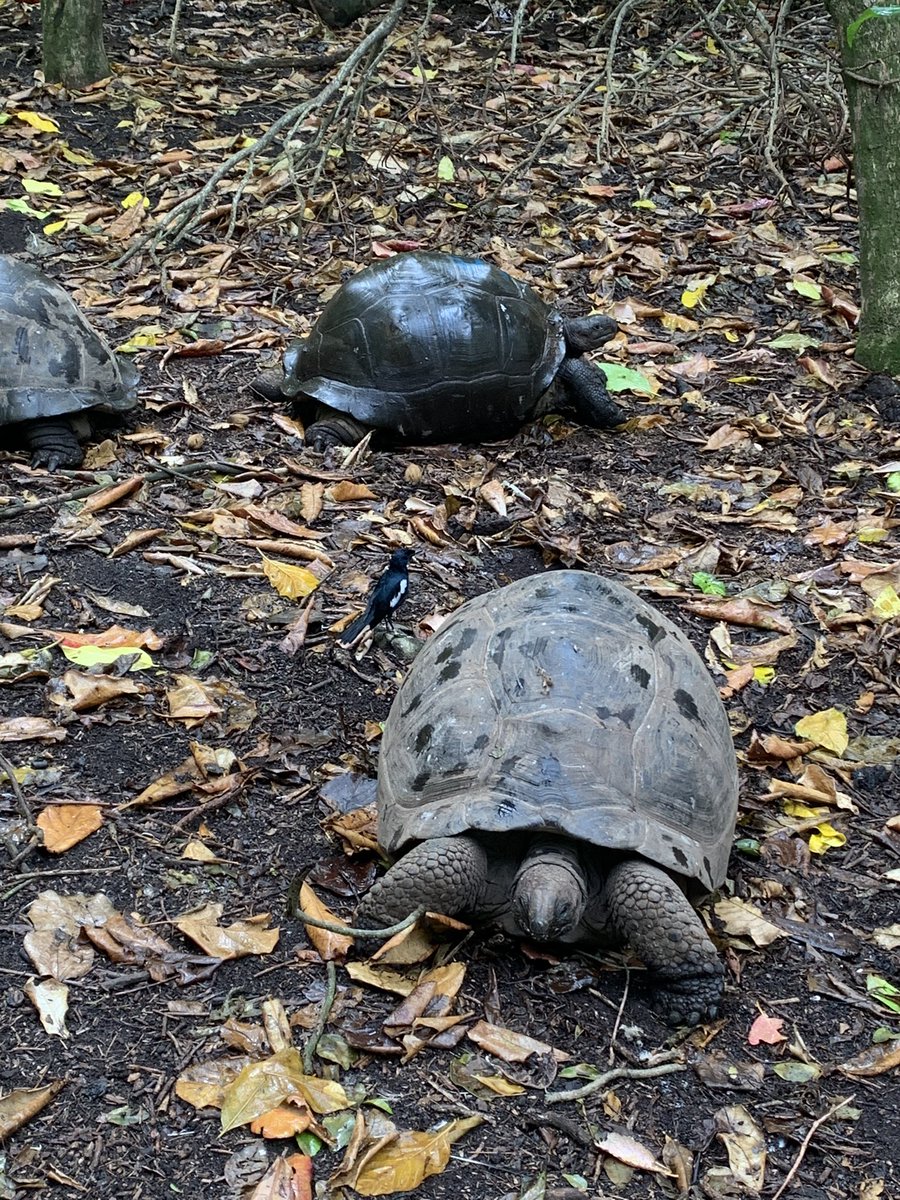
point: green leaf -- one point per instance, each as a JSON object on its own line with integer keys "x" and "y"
{"x": 845, "y": 258}
{"x": 893, "y": 481}
{"x": 805, "y": 287}
{"x": 885, "y": 993}
{"x": 625, "y": 379}
{"x": 580, "y": 1071}
{"x": 708, "y": 584}
{"x": 41, "y": 187}
{"x": 883, "y": 1034}
{"x": 798, "y": 1072}
{"x": 748, "y": 846}
{"x": 446, "y": 170}
{"x": 793, "y": 341}
{"x": 577, "y": 1181}
{"x": 340, "y": 1126}
{"x": 876, "y": 10}
{"x": 20, "y": 205}
{"x": 309, "y": 1143}
{"x": 643, "y": 204}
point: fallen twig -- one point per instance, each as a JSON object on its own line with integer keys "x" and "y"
{"x": 151, "y": 477}
{"x": 325, "y": 1007}
{"x": 335, "y": 927}
{"x": 665, "y": 1068}
{"x": 804, "y": 1145}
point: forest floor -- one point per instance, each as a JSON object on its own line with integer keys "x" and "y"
{"x": 752, "y": 495}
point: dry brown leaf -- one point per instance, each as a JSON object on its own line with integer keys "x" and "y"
{"x": 203, "y": 1084}
{"x": 505, "y": 1044}
{"x": 745, "y": 1145}
{"x": 92, "y": 691}
{"x": 874, "y": 1060}
{"x": 740, "y": 611}
{"x": 65, "y": 825}
{"x": 344, "y": 491}
{"x": 51, "y": 999}
{"x": 251, "y": 936}
{"x": 30, "y": 729}
{"x": 112, "y": 495}
{"x": 742, "y": 919}
{"x": 54, "y": 944}
{"x": 631, "y": 1152}
{"x": 331, "y": 946}
{"x": 20, "y": 1105}
{"x": 397, "y": 1162}
{"x": 680, "y": 1162}
{"x": 287, "y": 1179}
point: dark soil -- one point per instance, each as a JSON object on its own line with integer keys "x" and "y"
{"x": 117, "y": 1130}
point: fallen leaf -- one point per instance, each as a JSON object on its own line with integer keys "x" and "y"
{"x": 20, "y": 1105}
{"x": 262, "y": 1086}
{"x": 827, "y": 729}
{"x": 287, "y": 1179}
{"x": 251, "y": 936}
{"x": 289, "y": 580}
{"x": 401, "y": 1161}
{"x": 630, "y": 1151}
{"x": 282, "y": 1122}
{"x": 329, "y": 945}
{"x": 745, "y": 1146}
{"x": 874, "y": 1060}
{"x": 505, "y": 1044}
{"x": 888, "y": 937}
{"x": 51, "y": 999}
{"x": 742, "y": 919}
{"x": 766, "y": 1029}
{"x": 65, "y": 825}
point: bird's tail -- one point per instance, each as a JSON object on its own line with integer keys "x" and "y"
{"x": 349, "y": 635}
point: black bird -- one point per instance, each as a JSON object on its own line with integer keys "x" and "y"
{"x": 385, "y": 597}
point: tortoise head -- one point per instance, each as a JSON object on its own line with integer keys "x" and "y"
{"x": 549, "y": 893}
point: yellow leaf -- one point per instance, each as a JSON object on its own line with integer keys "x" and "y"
{"x": 288, "y": 580}
{"x": 825, "y": 838}
{"x": 446, "y": 170}
{"x": 265, "y": 1085}
{"x": 764, "y": 675}
{"x": 90, "y": 656}
{"x": 648, "y": 204}
{"x": 41, "y": 187}
{"x": 54, "y": 227}
{"x": 410, "y": 1158}
{"x": 694, "y": 296}
{"x": 38, "y": 121}
{"x": 75, "y": 156}
{"x": 134, "y": 198}
{"x": 500, "y": 1085}
{"x": 872, "y": 535}
{"x": 827, "y": 729}
{"x": 793, "y": 808}
{"x": 886, "y": 604}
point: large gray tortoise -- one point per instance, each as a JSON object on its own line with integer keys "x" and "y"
{"x": 429, "y": 347}
{"x": 53, "y": 365}
{"x": 558, "y": 761}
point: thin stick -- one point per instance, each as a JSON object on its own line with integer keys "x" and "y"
{"x": 333, "y": 927}
{"x": 180, "y": 220}
{"x": 804, "y": 1145}
{"x": 151, "y": 477}
{"x": 173, "y": 32}
{"x": 609, "y": 1076}
{"x": 516, "y": 31}
{"x": 322, "y": 1019}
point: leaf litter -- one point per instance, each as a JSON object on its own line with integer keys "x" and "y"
{"x": 181, "y": 763}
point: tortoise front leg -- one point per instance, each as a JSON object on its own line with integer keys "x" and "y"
{"x": 52, "y": 444}
{"x": 445, "y": 875}
{"x": 649, "y": 912}
{"x": 332, "y": 428}
{"x": 585, "y": 387}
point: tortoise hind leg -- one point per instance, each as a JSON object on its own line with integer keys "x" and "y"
{"x": 445, "y": 875}
{"x": 332, "y": 428}
{"x": 653, "y": 916}
{"x": 52, "y": 444}
{"x": 585, "y": 386}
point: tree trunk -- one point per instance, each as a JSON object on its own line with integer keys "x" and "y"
{"x": 870, "y": 62}
{"x": 73, "y": 42}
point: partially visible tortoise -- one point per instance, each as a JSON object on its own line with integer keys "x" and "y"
{"x": 430, "y": 347}
{"x": 53, "y": 365}
{"x": 558, "y": 761}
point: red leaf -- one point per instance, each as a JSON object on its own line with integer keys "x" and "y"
{"x": 766, "y": 1029}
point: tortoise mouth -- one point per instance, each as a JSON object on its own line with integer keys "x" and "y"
{"x": 549, "y": 896}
